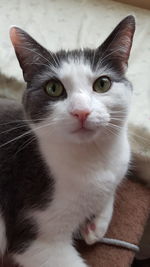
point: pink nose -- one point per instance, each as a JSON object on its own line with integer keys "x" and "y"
{"x": 80, "y": 114}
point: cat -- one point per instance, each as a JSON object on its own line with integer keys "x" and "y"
{"x": 65, "y": 149}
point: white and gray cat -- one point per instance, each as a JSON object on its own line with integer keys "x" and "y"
{"x": 65, "y": 150}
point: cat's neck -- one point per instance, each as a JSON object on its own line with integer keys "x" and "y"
{"x": 77, "y": 154}
{"x": 76, "y": 165}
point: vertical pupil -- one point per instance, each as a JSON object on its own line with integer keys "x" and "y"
{"x": 102, "y": 83}
{"x": 53, "y": 88}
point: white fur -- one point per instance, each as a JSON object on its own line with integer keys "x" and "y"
{"x": 2, "y": 236}
{"x": 101, "y": 222}
{"x": 86, "y": 166}
{"x": 52, "y": 254}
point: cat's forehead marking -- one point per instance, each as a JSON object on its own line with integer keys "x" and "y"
{"x": 75, "y": 75}
{"x": 71, "y": 68}
{"x": 78, "y": 74}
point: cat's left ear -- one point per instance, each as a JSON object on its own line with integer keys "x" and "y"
{"x": 116, "y": 48}
{"x": 31, "y": 55}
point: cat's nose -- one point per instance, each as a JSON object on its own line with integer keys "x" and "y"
{"x": 81, "y": 114}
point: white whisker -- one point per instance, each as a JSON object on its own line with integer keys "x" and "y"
{"x": 114, "y": 125}
{"x": 94, "y": 58}
{"x": 111, "y": 53}
{"x": 108, "y": 47}
{"x": 55, "y": 59}
{"x": 16, "y": 138}
{"x": 30, "y": 140}
{"x": 15, "y": 128}
{"x": 112, "y": 132}
{"x": 16, "y": 121}
{"x": 24, "y": 134}
{"x": 117, "y": 119}
{"x": 41, "y": 56}
{"x": 33, "y": 51}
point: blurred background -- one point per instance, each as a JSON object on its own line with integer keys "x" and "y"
{"x": 83, "y": 23}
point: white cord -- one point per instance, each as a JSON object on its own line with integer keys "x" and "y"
{"x": 120, "y": 243}
{"x": 114, "y": 242}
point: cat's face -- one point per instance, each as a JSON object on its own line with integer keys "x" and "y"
{"x": 79, "y": 104}
{"x": 80, "y": 95}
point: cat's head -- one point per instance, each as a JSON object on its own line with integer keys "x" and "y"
{"x": 79, "y": 95}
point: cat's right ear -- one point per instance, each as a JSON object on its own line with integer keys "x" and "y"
{"x": 31, "y": 55}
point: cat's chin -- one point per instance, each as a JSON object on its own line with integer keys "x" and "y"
{"x": 83, "y": 136}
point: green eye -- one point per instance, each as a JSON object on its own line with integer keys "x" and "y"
{"x": 102, "y": 84}
{"x": 54, "y": 89}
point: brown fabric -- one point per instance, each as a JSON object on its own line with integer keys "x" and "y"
{"x": 131, "y": 212}
{"x": 6, "y": 262}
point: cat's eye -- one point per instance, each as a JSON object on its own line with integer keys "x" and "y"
{"x": 102, "y": 84}
{"x": 54, "y": 89}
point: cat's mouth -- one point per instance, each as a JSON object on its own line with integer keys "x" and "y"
{"x": 83, "y": 130}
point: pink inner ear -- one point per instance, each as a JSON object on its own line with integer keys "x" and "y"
{"x": 127, "y": 42}
{"x": 14, "y": 36}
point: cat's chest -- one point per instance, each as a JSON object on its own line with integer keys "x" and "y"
{"x": 82, "y": 189}
{"x": 81, "y": 179}
{"x": 73, "y": 202}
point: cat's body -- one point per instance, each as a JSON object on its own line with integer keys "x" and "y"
{"x": 63, "y": 166}
{"x": 21, "y": 169}
{"x": 84, "y": 183}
